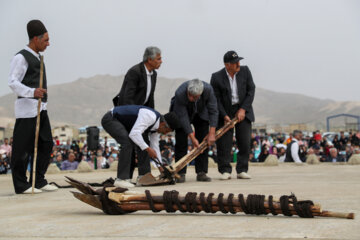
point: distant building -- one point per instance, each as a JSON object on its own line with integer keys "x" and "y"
{"x": 65, "y": 133}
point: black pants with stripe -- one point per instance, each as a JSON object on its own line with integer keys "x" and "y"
{"x": 23, "y": 151}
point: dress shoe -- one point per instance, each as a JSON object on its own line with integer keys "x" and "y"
{"x": 201, "y": 177}
{"x": 181, "y": 179}
{"x": 29, "y": 191}
{"x": 123, "y": 183}
{"x": 49, "y": 188}
{"x": 225, "y": 176}
{"x": 243, "y": 175}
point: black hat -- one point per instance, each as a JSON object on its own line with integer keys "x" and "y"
{"x": 35, "y": 28}
{"x": 231, "y": 57}
{"x": 172, "y": 120}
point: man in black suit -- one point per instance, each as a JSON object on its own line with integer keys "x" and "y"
{"x": 195, "y": 103}
{"x": 139, "y": 82}
{"x": 138, "y": 89}
{"x": 234, "y": 89}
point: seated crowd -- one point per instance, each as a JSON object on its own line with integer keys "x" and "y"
{"x": 67, "y": 156}
{"x": 339, "y": 149}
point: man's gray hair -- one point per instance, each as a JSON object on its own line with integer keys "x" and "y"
{"x": 296, "y": 133}
{"x": 151, "y": 52}
{"x": 195, "y": 87}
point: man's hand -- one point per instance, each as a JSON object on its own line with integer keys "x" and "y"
{"x": 240, "y": 114}
{"x": 227, "y": 119}
{"x": 211, "y": 137}
{"x": 194, "y": 141}
{"x": 39, "y": 92}
{"x": 151, "y": 152}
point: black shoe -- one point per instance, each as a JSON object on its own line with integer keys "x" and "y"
{"x": 201, "y": 177}
{"x": 181, "y": 179}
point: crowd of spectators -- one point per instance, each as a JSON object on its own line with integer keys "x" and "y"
{"x": 338, "y": 148}
{"x": 67, "y": 156}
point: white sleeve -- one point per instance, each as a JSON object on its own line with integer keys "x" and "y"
{"x": 145, "y": 119}
{"x": 154, "y": 144}
{"x": 18, "y": 68}
{"x": 295, "y": 152}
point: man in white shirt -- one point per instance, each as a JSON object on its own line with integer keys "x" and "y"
{"x": 235, "y": 91}
{"x": 24, "y": 80}
{"x": 127, "y": 125}
{"x": 293, "y": 150}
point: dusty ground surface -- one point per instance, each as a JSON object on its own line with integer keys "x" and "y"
{"x": 59, "y": 215}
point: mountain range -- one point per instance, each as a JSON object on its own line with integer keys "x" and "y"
{"x": 84, "y": 102}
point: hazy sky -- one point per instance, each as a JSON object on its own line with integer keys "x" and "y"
{"x": 310, "y": 47}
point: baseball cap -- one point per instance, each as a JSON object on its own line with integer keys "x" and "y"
{"x": 231, "y": 57}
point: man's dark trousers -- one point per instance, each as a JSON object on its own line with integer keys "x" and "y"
{"x": 225, "y": 143}
{"x": 181, "y": 144}
{"x": 23, "y": 151}
{"x": 126, "y": 157}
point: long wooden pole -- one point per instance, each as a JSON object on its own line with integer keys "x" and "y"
{"x": 197, "y": 151}
{"x": 37, "y": 125}
{"x": 140, "y": 202}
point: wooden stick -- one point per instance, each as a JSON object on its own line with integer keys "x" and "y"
{"x": 141, "y": 198}
{"x": 130, "y": 201}
{"x": 37, "y": 125}
{"x": 197, "y": 151}
{"x": 128, "y": 206}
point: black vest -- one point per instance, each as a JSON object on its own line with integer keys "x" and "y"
{"x": 289, "y": 157}
{"x": 128, "y": 114}
{"x": 32, "y": 75}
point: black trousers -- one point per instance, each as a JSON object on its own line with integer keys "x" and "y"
{"x": 23, "y": 151}
{"x": 127, "y": 155}
{"x": 181, "y": 144}
{"x": 225, "y": 143}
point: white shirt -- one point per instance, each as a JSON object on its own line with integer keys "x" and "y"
{"x": 25, "y": 107}
{"x": 295, "y": 151}
{"x": 148, "y": 86}
{"x": 145, "y": 119}
{"x": 234, "y": 88}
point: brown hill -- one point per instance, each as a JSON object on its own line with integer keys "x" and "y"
{"x": 84, "y": 101}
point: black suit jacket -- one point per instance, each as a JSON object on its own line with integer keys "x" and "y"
{"x": 133, "y": 90}
{"x": 246, "y": 90}
{"x": 205, "y": 106}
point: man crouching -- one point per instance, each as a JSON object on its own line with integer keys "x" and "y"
{"x": 126, "y": 124}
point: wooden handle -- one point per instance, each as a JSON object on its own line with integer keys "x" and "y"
{"x": 37, "y": 125}
{"x": 203, "y": 145}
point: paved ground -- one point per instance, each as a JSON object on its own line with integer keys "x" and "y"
{"x": 59, "y": 215}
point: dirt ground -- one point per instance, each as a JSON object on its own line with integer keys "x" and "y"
{"x": 58, "y": 215}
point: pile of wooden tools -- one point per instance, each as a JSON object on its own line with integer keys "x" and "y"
{"x": 112, "y": 200}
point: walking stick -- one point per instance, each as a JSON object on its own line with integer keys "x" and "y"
{"x": 37, "y": 125}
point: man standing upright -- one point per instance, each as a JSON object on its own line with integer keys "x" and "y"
{"x": 194, "y": 103}
{"x": 24, "y": 80}
{"x": 139, "y": 82}
{"x": 234, "y": 89}
{"x": 138, "y": 89}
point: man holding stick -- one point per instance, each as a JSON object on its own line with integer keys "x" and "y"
{"x": 129, "y": 125}
{"x": 235, "y": 90}
{"x": 24, "y": 80}
{"x": 194, "y": 103}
